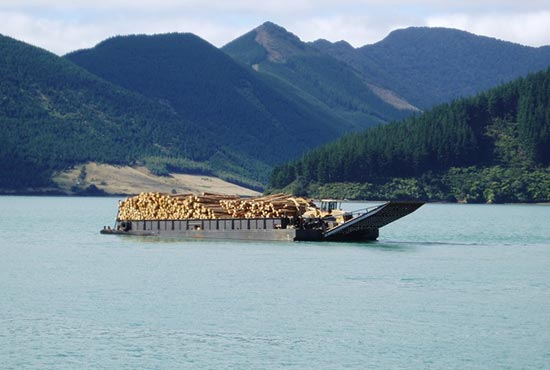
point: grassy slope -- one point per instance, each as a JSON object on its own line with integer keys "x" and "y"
{"x": 133, "y": 180}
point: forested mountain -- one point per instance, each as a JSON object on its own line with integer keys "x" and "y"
{"x": 175, "y": 103}
{"x": 54, "y": 114}
{"x": 428, "y": 66}
{"x": 491, "y": 147}
{"x": 204, "y": 85}
{"x": 326, "y": 82}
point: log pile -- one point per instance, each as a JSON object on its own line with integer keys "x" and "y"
{"x": 277, "y": 205}
{"x": 159, "y": 206}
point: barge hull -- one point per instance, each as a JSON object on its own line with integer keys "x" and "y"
{"x": 266, "y": 229}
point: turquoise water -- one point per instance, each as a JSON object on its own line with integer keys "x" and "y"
{"x": 448, "y": 287}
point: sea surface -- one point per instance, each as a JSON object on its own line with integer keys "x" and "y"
{"x": 447, "y": 287}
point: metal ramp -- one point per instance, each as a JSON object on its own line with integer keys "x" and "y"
{"x": 366, "y": 225}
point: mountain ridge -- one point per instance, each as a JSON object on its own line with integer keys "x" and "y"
{"x": 272, "y": 50}
{"x": 208, "y": 87}
{"x": 428, "y": 66}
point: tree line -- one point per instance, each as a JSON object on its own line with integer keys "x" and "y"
{"x": 508, "y": 126}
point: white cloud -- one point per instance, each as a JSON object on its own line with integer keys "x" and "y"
{"x": 61, "y": 36}
{"x": 357, "y": 31}
{"x": 528, "y": 29}
{"x": 279, "y": 5}
{"x": 53, "y": 35}
{"x": 159, "y": 6}
{"x": 66, "y": 25}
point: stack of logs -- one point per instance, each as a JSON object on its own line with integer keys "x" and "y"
{"x": 277, "y": 205}
{"x": 159, "y": 206}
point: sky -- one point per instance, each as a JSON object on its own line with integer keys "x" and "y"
{"x": 62, "y": 26}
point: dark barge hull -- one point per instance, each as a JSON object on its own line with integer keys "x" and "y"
{"x": 363, "y": 227}
{"x": 232, "y": 229}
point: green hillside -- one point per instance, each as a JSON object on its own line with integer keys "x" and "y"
{"x": 429, "y": 66}
{"x": 320, "y": 79}
{"x": 204, "y": 85}
{"x": 54, "y": 114}
{"x": 175, "y": 103}
{"x": 492, "y": 147}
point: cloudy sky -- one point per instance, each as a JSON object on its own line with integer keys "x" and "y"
{"x": 65, "y": 25}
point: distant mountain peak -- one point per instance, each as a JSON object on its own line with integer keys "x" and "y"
{"x": 342, "y": 44}
{"x": 279, "y": 43}
{"x": 338, "y": 49}
{"x": 172, "y": 39}
{"x": 270, "y": 26}
{"x": 441, "y": 35}
{"x": 268, "y": 41}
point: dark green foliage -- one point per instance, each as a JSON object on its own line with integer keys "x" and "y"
{"x": 429, "y": 66}
{"x": 503, "y": 133}
{"x": 498, "y": 184}
{"x": 534, "y": 115}
{"x": 163, "y": 166}
{"x": 341, "y": 190}
{"x": 469, "y": 185}
{"x": 91, "y": 190}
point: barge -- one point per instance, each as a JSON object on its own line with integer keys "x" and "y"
{"x": 325, "y": 224}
